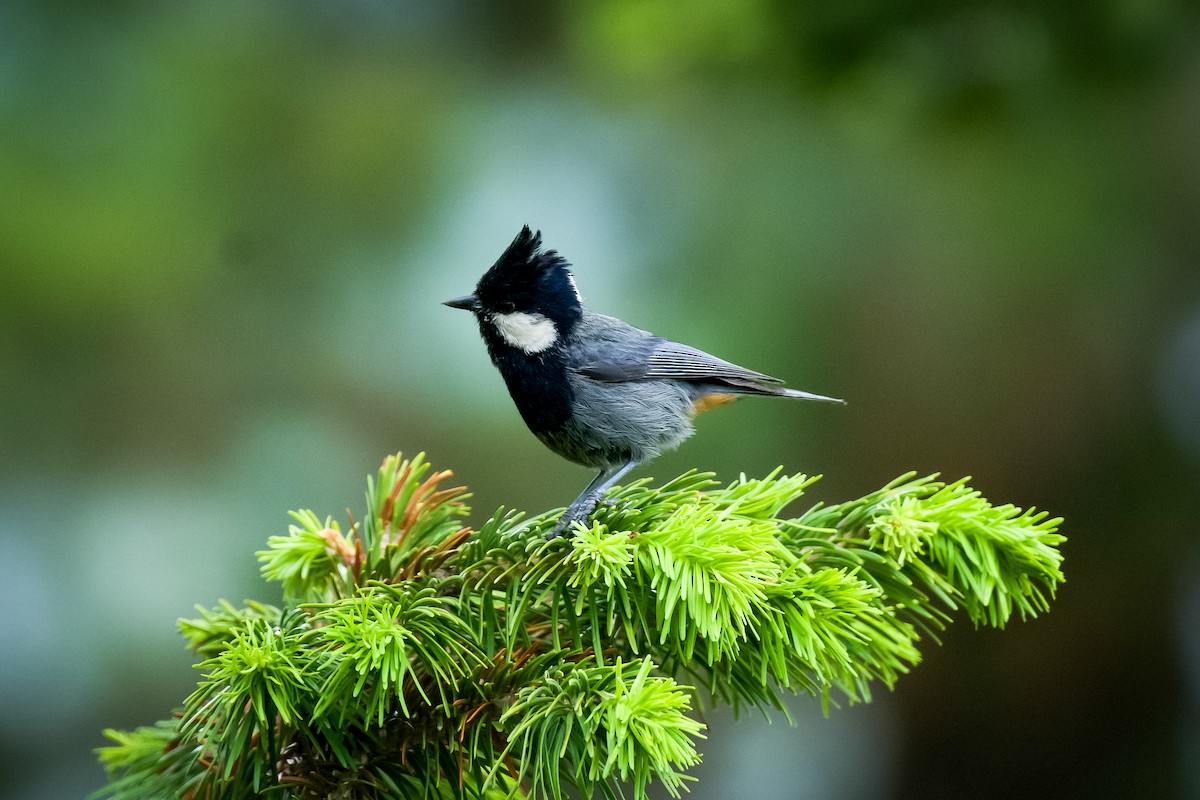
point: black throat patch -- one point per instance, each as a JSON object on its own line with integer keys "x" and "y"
{"x": 538, "y": 386}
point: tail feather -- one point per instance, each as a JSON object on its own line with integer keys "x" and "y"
{"x": 799, "y": 395}
{"x": 755, "y": 387}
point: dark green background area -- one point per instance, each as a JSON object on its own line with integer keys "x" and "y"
{"x": 225, "y": 229}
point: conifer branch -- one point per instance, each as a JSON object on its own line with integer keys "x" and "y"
{"x": 415, "y": 658}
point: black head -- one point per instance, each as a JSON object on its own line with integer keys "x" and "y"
{"x": 526, "y": 281}
{"x": 526, "y": 278}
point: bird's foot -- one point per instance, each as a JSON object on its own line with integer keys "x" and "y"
{"x": 574, "y": 513}
{"x": 613, "y": 505}
{"x": 583, "y": 506}
{"x": 581, "y": 512}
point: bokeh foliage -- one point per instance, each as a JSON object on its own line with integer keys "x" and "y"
{"x": 225, "y": 227}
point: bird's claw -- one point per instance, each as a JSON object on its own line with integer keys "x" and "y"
{"x": 581, "y": 513}
{"x": 614, "y": 505}
{"x": 570, "y": 516}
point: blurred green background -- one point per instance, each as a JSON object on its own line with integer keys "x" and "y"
{"x": 225, "y": 228}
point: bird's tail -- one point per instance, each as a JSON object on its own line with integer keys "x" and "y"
{"x": 799, "y": 395}
{"x": 763, "y": 388}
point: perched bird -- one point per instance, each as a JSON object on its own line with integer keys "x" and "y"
{"x": 592, "y": 388}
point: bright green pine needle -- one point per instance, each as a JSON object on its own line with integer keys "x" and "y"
{"x": 608, "y": 724}
{"x": 372, "y": 642}
{"x": 309, "y": 559}
{"x": 648, "y": 732}
{"x": 417, "y": 659}
{"x": 709, "y": 571}
{"x": 212, "y": 633}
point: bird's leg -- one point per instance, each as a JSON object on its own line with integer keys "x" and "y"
{"x": 583, "y": 505}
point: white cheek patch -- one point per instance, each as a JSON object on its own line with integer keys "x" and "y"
{"x": 532, "y": 333}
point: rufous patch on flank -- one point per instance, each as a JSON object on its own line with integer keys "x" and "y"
{"x": 710, "y": 401}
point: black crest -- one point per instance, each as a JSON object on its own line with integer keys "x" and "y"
{"x": 528, "y": 278}
{"x": 524, "y": 260}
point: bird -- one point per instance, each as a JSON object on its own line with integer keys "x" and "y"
{"x": 592, "y": 388}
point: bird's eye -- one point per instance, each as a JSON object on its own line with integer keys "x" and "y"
{"x": 506, "y": 307}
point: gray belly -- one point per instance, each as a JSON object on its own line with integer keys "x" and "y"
{"x": 614, "y": 422}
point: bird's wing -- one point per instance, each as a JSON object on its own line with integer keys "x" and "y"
{"x": 616, "y": 352}
{"x": 676, "y": 361}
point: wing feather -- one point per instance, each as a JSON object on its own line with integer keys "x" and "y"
{"x": 615, "y": 352}
{"x": 680, "y": 362}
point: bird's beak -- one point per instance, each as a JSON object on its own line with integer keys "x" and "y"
{"x": 467, "y": 302}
